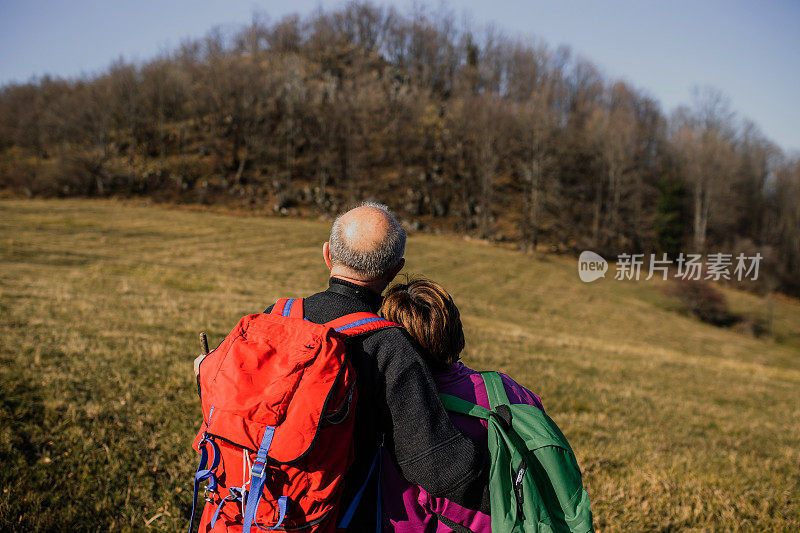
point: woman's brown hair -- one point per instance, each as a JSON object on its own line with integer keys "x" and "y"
{"x": 429, "y": 314}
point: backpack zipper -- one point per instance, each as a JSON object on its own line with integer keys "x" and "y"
{"x": 518, "y": 494}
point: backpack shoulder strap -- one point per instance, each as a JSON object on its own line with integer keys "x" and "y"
{"x": 291, "y": 307}
{"x": 359, "y": 323}
{"x": 495, "y": 390}
{"x": 464, "y": 407}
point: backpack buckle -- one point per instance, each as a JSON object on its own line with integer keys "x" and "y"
{"x": 260, "y": 472}
{"x": 236, "y": 493}
{"x": 503, "y": 415}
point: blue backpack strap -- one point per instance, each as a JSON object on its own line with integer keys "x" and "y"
{"x": 216, "y": 513}
{"x": 289, "y": 307}
{"x": 344, "y": 522}
{"x": 379, "y": 519}
{"x": 204, "y": 471}
{"x": 235, "y": 496}
{"x": 359, "y": 323}
{"x": 257, "y": 479}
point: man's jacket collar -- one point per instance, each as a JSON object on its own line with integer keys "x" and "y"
{"x": 351, "y": 290}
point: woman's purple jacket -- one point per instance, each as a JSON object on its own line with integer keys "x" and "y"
{"x": 408, "y": 508}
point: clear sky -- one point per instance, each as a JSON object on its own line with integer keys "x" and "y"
{"x": 750, "y": 50}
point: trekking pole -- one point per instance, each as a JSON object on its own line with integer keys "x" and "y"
{"x": 204, "y": 348}
{"x": 204, "y": 342}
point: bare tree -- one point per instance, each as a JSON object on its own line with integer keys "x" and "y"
{"x": 460, "y": 127}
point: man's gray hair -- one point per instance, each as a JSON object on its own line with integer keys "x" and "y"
{"x": 373, "y": 263}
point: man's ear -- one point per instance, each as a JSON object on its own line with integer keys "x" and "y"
{"x": 326, "y": 254}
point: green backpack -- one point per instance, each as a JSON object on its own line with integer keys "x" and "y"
{"x": 534, "y": 480}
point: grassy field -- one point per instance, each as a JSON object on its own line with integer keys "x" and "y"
{"x": 677, "y": 425}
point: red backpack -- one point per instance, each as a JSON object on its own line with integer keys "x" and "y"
{"x": 278, "y": 398}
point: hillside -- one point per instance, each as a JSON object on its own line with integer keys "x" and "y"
{"x": 676, "y": 424}
{"x": 460, "y": 128}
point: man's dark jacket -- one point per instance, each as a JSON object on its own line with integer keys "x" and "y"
{"x": 399, "y": 404}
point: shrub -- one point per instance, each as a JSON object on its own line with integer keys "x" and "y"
{"x": 703, "y": 301}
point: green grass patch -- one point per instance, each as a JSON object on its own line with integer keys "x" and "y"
{"x": 677, "y": 424}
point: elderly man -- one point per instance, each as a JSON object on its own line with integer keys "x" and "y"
{"x": 398, "y": 401}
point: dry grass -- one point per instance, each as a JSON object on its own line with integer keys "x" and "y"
{"x": 677, "y": 425}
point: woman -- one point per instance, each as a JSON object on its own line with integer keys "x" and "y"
{"x": 427, "y": 311}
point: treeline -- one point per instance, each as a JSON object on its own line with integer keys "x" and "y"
{"x": 472, "y": 131}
